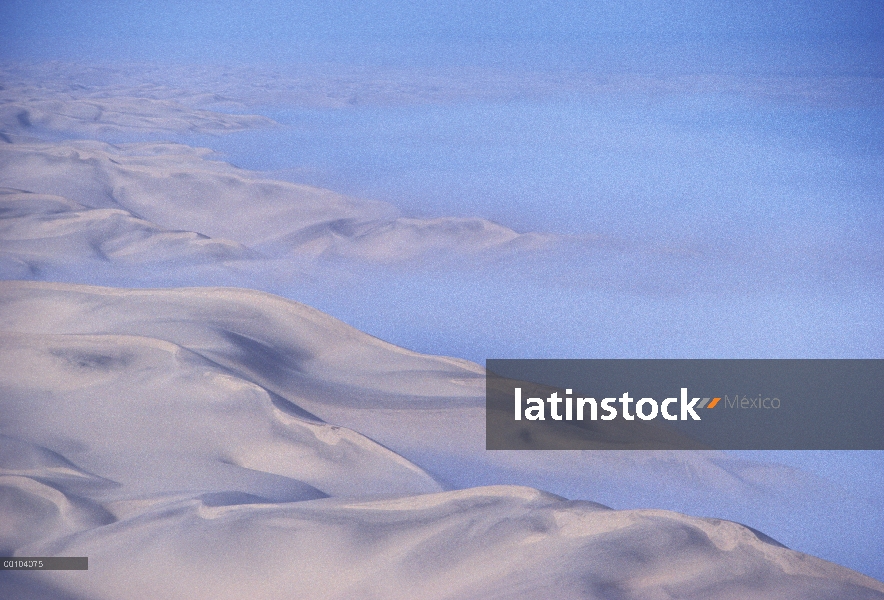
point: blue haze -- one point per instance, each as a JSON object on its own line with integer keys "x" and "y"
{"x": 695, "y": 226}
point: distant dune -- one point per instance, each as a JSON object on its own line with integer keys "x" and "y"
{"x": 176, "y": 187}
{"x": 40, "y": 230}
{"x": 195, "y": 427}
{"x": 56, "y": 103}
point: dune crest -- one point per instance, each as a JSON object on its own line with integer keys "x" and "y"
{"x": 40, "y": 231}
{"x": 180, "y": 189}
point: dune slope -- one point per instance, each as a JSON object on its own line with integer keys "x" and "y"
{"x": 180, "y": 188}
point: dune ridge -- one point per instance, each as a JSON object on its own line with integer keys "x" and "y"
{"x": 181, "y": 189}
{"x": 41, "y": 231}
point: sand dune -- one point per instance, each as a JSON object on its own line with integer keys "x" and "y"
{"x": 503, "y": 542}
{"x": 234, "y": 88}
{"x": 29, "y": 107}
{"x": 405, "y": 238}
{"x": 174, "y": 187}
{"x": 427, "y": 408}
{"x": 40, "y": 231}
{"x": 264, "y": 337}
{"x": 153, "y": 417}
{"x": 198, "y": 426}
{"x": 179, "y": 188}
